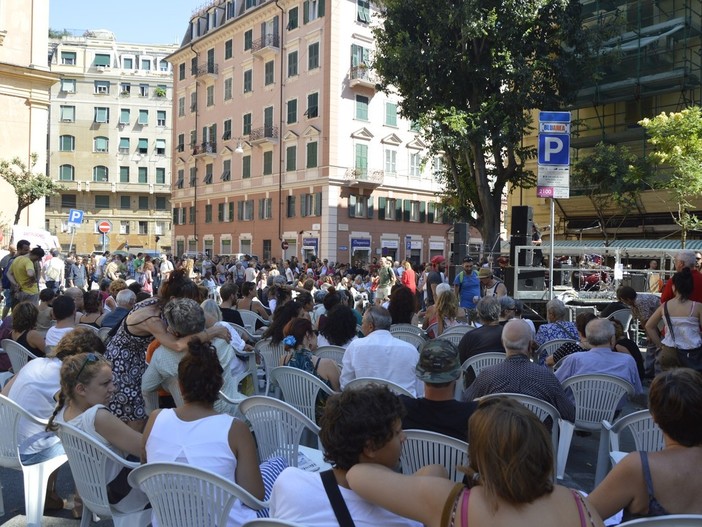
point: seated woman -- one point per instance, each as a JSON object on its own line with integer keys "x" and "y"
{"x": 358, "y": 427}
{"x": 196, "y": 434}
{"x": 86, "y": 387}
{"x": 250, "y": 302}
{"x": 510, "y": 473}
{"x": 429, "y": 316}
{"x": 300, "y": 340}
{"x": 24, "y": 321}
{"x": 92, "y": 309}
{"x": 581, "y": 321}
{"x": 666, "y": 482}
{"x": 44, "y": 320}
{"x": 340, "y": 329}
{"x": 282, "y": 315}
{"x": 445, "y": 314}
{"x": 403, "y": 305}
{"x": 557, "y": 327}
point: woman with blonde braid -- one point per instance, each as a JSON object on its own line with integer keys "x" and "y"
{"x": 446, "y": 311}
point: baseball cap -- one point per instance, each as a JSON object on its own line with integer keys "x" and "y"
{"x": 438, "y": 362}
{"x": 437, "y": 260}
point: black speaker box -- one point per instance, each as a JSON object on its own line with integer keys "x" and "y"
{"x": 531, "y": 280}
{"x": 524, "y": 256}
{"x": 522, "y": 219}
{"x": 460, "y": 242}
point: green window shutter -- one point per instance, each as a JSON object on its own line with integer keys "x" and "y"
{"x": 318, "y": 204}
{"x": 320, "y": 8}
{"x": 231, "y": 211}
{"x": 430, "y": 215}
{"x": 240, "y": 210}
{"x": 407, "y": 210}
{"x": 422, "y": 211}
{"x": 352, "y": 206}
{"x": 398, "y": 210}
{"x": 369, "y": 209}
{"x": 305, "y": 11}
{"x": 382, "y": 203}
{"x": 291, "y": 158}
{"x": 312, "y": 154}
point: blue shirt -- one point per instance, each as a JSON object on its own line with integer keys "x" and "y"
{"x": 468, "y": 288}
{"x": 601, "y": 360}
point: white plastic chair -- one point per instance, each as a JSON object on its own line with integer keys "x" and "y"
{"x": 672, "y": 520}
{"x": 624, "y": 316}
{"x": 542, "y": 409}
{"x": 90, "y": 327}
{"x": 35, "y": 476}
{"x": 647, "y": 436}
{"x": 89, "y": 462}
{"x": 277, "y": 426}
{"x": 483, "y": 360}
{"x": 244, "y": 333}
{"x": 399, "y": 329}
{"x": 454, "y": 334}
{"x": 250, "y": 318}
{"x": 422, "y": 448}
{"x": 271, "y": 355}
{"x": 103, "y": 333}
{"x": 18, "y": 354}
{"x": 596, "y": 398}
{"x": 361, "y": 382}
{"x": 299, "y": 389}
{"x": 171, "y": 386}
{"x": 270, "y": 522}
{"x": 233, "y": 403}
{"x": 335, "y": 353}
{"x": 551, "y": 346}
{"x": 182, "y": 495}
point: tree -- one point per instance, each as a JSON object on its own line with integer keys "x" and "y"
{"x": 676, "y": 139}
{"x": 610, "y": 176}
{"x": 29, "y": 186}
{"x": 469, "y": 72}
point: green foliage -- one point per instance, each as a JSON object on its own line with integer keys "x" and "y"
{"x": 470, "y": 72}
{"x": 676, "y": 139}
{"x": 160, "y": 92}
{"x": 29, "y": 186}
{"x": 56, "y": 33}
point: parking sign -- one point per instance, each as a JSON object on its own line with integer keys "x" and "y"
{"x": 554, "y": 155}
{"x": 75, "y": 217}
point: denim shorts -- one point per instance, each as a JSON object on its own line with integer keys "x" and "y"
{"x": 53, "y": 451}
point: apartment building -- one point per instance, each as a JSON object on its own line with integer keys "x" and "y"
{"x": 25, "y": 81}
{"x": 659, "y": 69}
{"x": 284, "y": 147}
{"x": 110, "y": 142}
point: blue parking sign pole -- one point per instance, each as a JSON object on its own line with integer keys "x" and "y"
{"x": 75, "y": 218}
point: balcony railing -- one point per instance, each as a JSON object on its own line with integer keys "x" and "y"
{"x": 263, "y": 134}
{"x": 268, "y": 42}
{"x": 209, "y": 68}
{"x": 360, "y": 176}
{"x": 208, "y": 148}
{"x": 362, "y": 76}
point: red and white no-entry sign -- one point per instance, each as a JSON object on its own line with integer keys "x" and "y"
{"x": 104, "y": 226}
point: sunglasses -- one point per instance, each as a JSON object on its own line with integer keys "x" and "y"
{"x": 91, "y": 357}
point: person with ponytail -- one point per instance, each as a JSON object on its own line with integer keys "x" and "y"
{"x": 197, "y": 435}
{"x": 86, "y": 389}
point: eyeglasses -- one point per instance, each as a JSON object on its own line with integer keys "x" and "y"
{"x": 91, "y": 357}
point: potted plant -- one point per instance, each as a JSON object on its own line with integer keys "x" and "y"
{"x": 160, "y": 92}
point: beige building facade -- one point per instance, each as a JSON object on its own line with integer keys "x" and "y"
{"x": 110, "y": 143}
{"x": 281, "y": 139}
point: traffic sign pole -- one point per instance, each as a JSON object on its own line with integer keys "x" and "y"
{"x": 73, "y": 235}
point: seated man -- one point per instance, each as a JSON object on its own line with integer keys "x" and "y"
{"x": 600, "y": 358}
{"x": 379, "y": 354}
{"x": 125, "y": 301}
{"x": 64, "y": 310}
{"x": 438, "y": 411}
{"x": 228, "y": 293}
{"x": 185, "y": 317}
{"x": 517, "y": 374}
{"x": 357, "y": 426}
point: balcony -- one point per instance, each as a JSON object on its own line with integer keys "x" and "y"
{"x": 362, "y": 77}
{"x": 205, "y": 71}
{"x": 265, "y": 134}
{"x": 360, "y": 177}
{"x": 267, "y": 45}
{"x": 206, "y": 149}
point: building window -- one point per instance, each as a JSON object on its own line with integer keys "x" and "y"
{"x": 293, "y": 19}
{"x": 312, "y": 105}
{"x": 268, "y": 70}
{"x": 143, "y": 226}
{"x": 127, "y": 63}
{"x": 311, "y": 154}
{"x": 124, "y": 145}
{"x": 125, "y": 88}
{"x": 311, "y": 204}
{"x": 228, "y": 89}
{"x": 180, "y": 181}
{"x": 181, "y": 143}
{"x": 230, "y": 207}
{"x": 362, "y": 107}
{"x": 68, "y": 85}
{"x": 68, "y": 114}
{"x": 246, "y": 126}
{"x": 359, "y": 206}
{"x": 220, "y": 212}
{"x": 313, "y": 56}
{"x": 246, "y": 167}
{"x": 265, "y": 208}
{"x": 437, "y": 166}
{"x": 181, "y": 71}
{"x": 100, "y": 174}
{"x": 390, "y": 114}
{"x": 245, "y": 210}
{"x": 208, "y": 174}
{"x": 228, "y": 46}
{"x": 67, "y": 143}
{"x": 290, "y": 208}
{"x": 163, "y": 65}
{"x": 125, "y": 202}
{"x": 363, "y": 11}
{"x": 248, "y": 40}
{"x": 68, "y": 58}
{"x": 144, "y": 203}
{"x": 143, "y": 117}
{"x": 160, "y": 147}
{"x": 414, "y": 164}
{"x": 268, "y": 163}
{"x": 124, "y": 174}
{"x": 210, "y": 96}
{"x": 208, "y": 213}
{"x": 101, "y": 88}
{"x": 143, "y": 90}
{"x": 102, "y": 115}
{"x": 413, "y": 210}
{"x": 387, "y": 209}
{"x": 361, "y": 162}
{"x": 102, "y": 202}
{"x": 227, "y": 134}
{"x": 124, "y": 226}
{"x": 68, "y": 201}
{"x": 390, "y": 161}
{"x": 160, "y": 203}
{"x": 160, "y": 176}
{"x": 311, "y": 10}
{"x": 181, "y": 107}
{"x": 292, "y": 111}
{"x": 193, "y": 102}
{"x": 143, "y": 175}
{"x": 292, "y": 64}
{"x": 161, "y": 118}
{"x": 143, "y": 146}
{"x": 146, "y": 64}
{"x": 191, "y": 215}
{"x": 102, "y": 60}
{"x": 193, "y": 176}
{"x": 100, "y": 144}
{"x": 291, "y": 158}
{"x": 66, "y": 173}
{"x": 248, "y": 81}
{"x": 227, "y": 170}
{"x": 124, "y": 116}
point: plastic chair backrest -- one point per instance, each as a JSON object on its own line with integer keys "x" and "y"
{"x": 271, "y": 355}
{"x": 90, "y": 327}
{"x": 672, "y": 520}
{"x": 182, "y": 495}
{"x": 250, "y": 318}
{"x": 270, "y": 522}
{"x": 624, "y": 316}
{"x": 18, "y": 354}
{"x": 335, "y": 353}
{"x": 483, "y": 360}
{"x": 277, "y": 426}
{"x": 647, "y": 436}
{"x": 361, "y": 382}
{"x": 299, "y": 388}
{"x": 551, "y": 346}
{"x": 422, "y": 447}
{"x": 104, "y": 334}
{"x": 458, "y": 329}
{"x": 596, "y": 398}
{"x": 416, "y": 340}
{"x": 399, "y": 329}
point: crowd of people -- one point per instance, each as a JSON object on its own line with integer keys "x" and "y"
{"x": 170, "y": 329}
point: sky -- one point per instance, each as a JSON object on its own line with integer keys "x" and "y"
{"x": 134, "y": 21}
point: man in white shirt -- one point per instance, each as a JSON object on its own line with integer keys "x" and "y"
{"x": 54, "y": 271}
{"x": 166, "y": 268}
{"x": 250, "y": 272}
{"x": 381, "y": 355}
